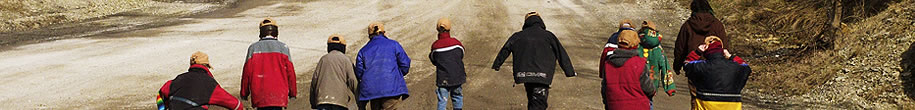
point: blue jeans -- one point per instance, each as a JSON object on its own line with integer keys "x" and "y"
{"x": 457, "y": 98}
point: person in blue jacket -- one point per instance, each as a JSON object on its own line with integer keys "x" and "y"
{"x": 380, "y": 67}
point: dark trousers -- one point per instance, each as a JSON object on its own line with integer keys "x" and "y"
{"x": 537, "y": 95}
{"x": 270, "y": 108}
{"x": 330, "y": 107}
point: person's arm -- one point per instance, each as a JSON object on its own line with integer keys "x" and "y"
{"x": 222, "y": 98}
{"x": 360, "y": 66}
{"x": 247, "y": 72}
{"x": 162, "y": 97}
{"x": 681, "y": 47}
{"x": 403, "y": 60}
{"x": 313, "y": 89}
{"x": 503, "y": 53}
{"x": 563, "y": 57}
{"x": 352, "y": 82}
{"x": 290, "y": 78}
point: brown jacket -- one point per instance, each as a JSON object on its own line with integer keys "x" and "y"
{"x": 334, "y": 81}
{"x": 693, "y": 33}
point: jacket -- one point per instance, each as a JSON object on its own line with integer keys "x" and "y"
{"x": 623, "y": 81}
{"x": 658, "y": 67}
{"x": 612, "y": 44}
{"x": 693, "y": 33}
{"x": 334, "y": 81}
{"x": 717, "y": 78}
{"x": 448, "y": 57}
{"x": 536, "y": 52}
{"x": 380, "y": 66}
{"x": 268, "y": 75}
{"x": 196, "y": 86}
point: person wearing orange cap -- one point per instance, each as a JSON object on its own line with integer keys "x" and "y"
{"x": 536, "y": 52}
{"x": 380, "y": 67}
{"x": 268, "y": 75}
{"x": 448, "y": 57}
{"x": 195, "y": 89}
{"x": 333, "y": 84}
{"x": 625, "y": 78}
{"x": 717, "y": 80}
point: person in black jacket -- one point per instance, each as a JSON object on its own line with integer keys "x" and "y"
{"x": 536, "y": 52}
{"x": 195, "y": 89}
{"x": 448, "y": 57}
{"x": 716, "y": 82}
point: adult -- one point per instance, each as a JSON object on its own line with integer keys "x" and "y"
{"x": 333, "y": 84}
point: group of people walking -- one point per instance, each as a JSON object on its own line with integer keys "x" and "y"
{"x": 632, "y": 67}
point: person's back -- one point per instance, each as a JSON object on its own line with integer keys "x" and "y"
{"x": 717, "y": 81}
{"x": 268, "y": 75}
{"x": 333, "y": 85}
{"x": 700, "y": 24}
{"x": 625, "y": 77}
{"x": 381, "y": 66}
{"x": 196, "y": 90}
{"x": 448, "y": 57}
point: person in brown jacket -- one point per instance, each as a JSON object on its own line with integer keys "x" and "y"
{"x": 701, "y": 23}
{"x": 333, "y": 85}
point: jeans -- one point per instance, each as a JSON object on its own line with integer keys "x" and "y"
{"x": 537, "y": 95}
{"x": 330, "y": 107}
{"x": 457, "y": 98}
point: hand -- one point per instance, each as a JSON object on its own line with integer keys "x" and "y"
{"x": 703, "y": 47}
{"x": 244, "y": 98}
{"x": 496, "y": 68}
{"x": 727, "y": 54}
{"x": 573, "y": 74}
{"x": 291, "y": 98}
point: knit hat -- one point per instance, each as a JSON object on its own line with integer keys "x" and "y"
{"x": 444, "y": 24}
{"x": 628, "y": 39}
{"x": 626, "y": 23}
{"x": 200, "y": 58}
{"x": 336, "y": 39}
{"x": 649, "y": 25}
{"x": 714, "y": 45}
{"x": 532, "y": 13}
{"x": 376, "y": 28}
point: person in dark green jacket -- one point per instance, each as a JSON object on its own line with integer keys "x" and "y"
{"x": 658, "y": 66}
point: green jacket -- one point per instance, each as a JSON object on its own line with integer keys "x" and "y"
{"x": 659, "y": 68}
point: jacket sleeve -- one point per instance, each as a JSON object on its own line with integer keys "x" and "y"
{"x": 312, "y": 89}
{"x": 360, "y": 66}
{"x": 247, "y": 72}
{"x": 693, "y": 56}
{"x": 290, "y": 77}
{"x": 222, "y": 98}
{"x": 432, "y": 58}
{"x": 162, "y": 97}
{"x": 504, "y": 52}
{"x": 352, "y": 81}
{"x": 563, "y": 57}
{"x": 680, "y": 47}
{"x": 403, "y": 60}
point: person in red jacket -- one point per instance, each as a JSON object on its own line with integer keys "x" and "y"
{"x": 625, "y": 76}
{"x": 268, "y": 76}
{"x": 195, "y": 89}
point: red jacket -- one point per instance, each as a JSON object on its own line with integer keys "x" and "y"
{"x": 197, "y": 86}
{"x": 268, "y": 76}
{"x": 622, "y": 87}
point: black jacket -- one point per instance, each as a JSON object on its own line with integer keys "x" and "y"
{"x": 717, "y": 78}
{"x": 536, "y": 52}
{"x": 448, "y": 57}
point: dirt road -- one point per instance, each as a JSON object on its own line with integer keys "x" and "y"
{"x": 124, "y": 70}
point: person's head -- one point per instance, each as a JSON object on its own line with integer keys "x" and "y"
{"x": 532, "y": 19}
{"x": 376, "y": 28}
{"x": 712, "y": 44}
{"x": 648, "y": 28}
{"x": 443, "y": 25}
{"x": 702, "y": 6}
{"x": 626, "y": 23}
{"x": 628, "y": 39}
{"x": 201, "y": 59}
{"x": 336, "y": 42}
{"x": 268, "y": 27}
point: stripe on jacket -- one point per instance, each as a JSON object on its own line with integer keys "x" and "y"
{"x": 444, "y": 49}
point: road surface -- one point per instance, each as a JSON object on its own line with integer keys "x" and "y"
{"x": 124, "y": 70}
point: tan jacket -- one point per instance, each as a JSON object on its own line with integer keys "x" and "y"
{"x": 334, "y": 81}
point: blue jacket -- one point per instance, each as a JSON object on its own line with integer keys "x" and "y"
{"x": 380, "y": 66}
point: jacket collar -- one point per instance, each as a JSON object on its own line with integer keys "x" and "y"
{"x": 379, "y": 37}
{"x": 268, "y": 38}
{"x": 198, "y": 67}
{"x": 444, "y": 35}
{"x": 715, "y": 56}
{"x": 621, "y": 55}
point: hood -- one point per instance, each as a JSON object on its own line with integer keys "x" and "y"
{"x": 533, "y": 21}
{"x": 620, "y": 56}
{"x": 702, "y": 22}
